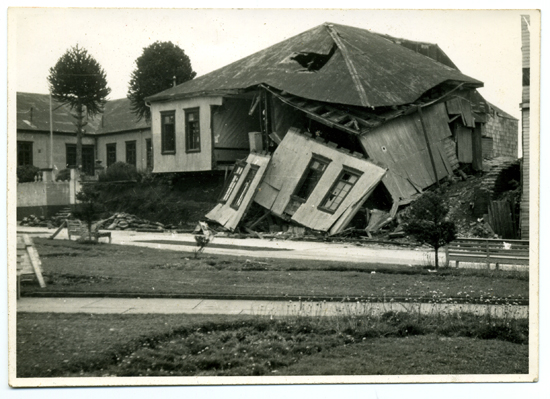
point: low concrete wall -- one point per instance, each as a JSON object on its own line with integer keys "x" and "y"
{"x": 43, "y": 193}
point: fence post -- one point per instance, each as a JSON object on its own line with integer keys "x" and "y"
{"x": 447, "y": 255}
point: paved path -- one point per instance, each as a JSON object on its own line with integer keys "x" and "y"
{"x": 243, "y": 307}
{"x": 267, "y": 248}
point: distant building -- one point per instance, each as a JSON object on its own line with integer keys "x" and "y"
{"x": 113, "y": 136}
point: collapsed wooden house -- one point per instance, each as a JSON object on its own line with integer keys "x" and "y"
{"x": 329, "y": 117}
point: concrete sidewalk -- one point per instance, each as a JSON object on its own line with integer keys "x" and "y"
{"x": 267, "y": 248}
{"x": 248, "y": 307}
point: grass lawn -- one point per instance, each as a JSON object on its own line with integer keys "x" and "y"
{"x": 72, "y": 267}
{"x": 72, "y": 345}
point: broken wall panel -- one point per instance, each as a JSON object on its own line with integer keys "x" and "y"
{"x": 238, "y": 196}
{"x": 400, "y": 146}
{"x": 289, "y": 167}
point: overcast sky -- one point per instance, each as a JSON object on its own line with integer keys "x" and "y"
{"x": 485, "y": 45}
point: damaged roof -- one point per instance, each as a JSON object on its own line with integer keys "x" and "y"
{"x": 331, "y": 63}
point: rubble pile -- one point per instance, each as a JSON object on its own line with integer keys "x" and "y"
{"x": 126, "y": 221}
{"x": 42, "y": 221}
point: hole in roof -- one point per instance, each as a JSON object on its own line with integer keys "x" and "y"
{"x": 312, "y": 61}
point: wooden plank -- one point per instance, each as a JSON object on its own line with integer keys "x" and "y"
{"x": 63, "y": 225}
{"x": 35, "y": 260}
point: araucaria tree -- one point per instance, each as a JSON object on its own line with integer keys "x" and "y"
{"x": 156, "y": 69}
{"x": 426, "y": 221}
{"x": 78, "y": 80}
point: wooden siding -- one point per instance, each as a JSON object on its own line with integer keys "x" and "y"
{"x": 464, "y": 144}
{"x": 525, "y": 132}
{"x": 504, "y": 133}
{"x": 181, "y": 161}
{"x": 289, "y": 163}
{"x": 524, "y": 207}
{"x": 401, "y": 147}
{"x": 223, "y": 213}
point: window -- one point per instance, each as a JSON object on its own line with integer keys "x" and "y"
{"x": 111, "y": 154}
{"x": 238, "y": 200}
{"x": 235, "y": 176}
{"x": 314, "y": 171}
{"x": 192, "y": 130}
{"x": 339, "y": 190}
{"x": 70, "y": 155}
{"x": 131, "y": 152}
{"x": 24, "y": 153}
{"x": 88, "y": 158}
{"x": 149, "y": 153}
{"x": 168, "y": 132}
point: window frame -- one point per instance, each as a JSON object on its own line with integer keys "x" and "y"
{"x": 345, "y": 170}
{"x": 314, "y": 158}
{"x": 232, "y": 182}
{"x": 188, "y": 137}
{"x": 130, "y": 143}
{"x": 163, "y": 132}
{"x": 243, "y": 188}
{"x": 107, "y": 147}
{"x": 28, "y": 151}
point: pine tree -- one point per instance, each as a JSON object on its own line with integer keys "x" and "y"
{"x": 78, "y": 80}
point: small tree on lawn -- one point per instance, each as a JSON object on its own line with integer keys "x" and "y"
{"x": 78, "y": 80}
{"x": 426, "y": 222}
{"x": 89, "y": 207}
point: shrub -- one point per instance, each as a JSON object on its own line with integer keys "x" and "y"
{"x": 426, "y": 221}
{"x": 26, "y": 173}
{"x": 119, "y": 171}
{"x": 64, "y": 175}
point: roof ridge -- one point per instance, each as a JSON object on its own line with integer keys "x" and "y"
{"x": 351, "y": 68}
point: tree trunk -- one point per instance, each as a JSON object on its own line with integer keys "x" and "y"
{"x": 436, "y": 258}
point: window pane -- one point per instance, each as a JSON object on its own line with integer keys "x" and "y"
{"x": 312, "y": 176}
{"x": 339, "y": 191}
{"x": 168, "y": 132}
{"x": 233, "y": 182}
{"x": 241, "y": 194}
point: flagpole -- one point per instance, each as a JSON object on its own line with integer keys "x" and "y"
{"x": 51, "y": 133}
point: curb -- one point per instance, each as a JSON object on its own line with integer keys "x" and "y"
{"x": 294, "y": 298}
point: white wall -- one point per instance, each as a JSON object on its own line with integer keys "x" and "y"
{"x": 181, "y": 161}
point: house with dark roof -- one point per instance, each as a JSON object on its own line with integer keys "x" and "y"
{"x": 314, "y": 105}
{"x": 113, "y": 136}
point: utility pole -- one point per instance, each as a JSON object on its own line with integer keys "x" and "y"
{"x": 51, "y": 133}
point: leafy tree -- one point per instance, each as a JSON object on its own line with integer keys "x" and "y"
{"x": 155, "y": 71}
{"x": 78, "y": 80}
{"x": 89, "y": 207}
{"x": 425, "y": 220}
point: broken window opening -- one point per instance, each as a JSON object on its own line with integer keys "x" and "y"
{"x": 313, "y": 61}
{"x": 311, "y": 177}
{"x": 339, "y": 190}
{"x": 244, "y": 187}
{"x": 235, "y": 176}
